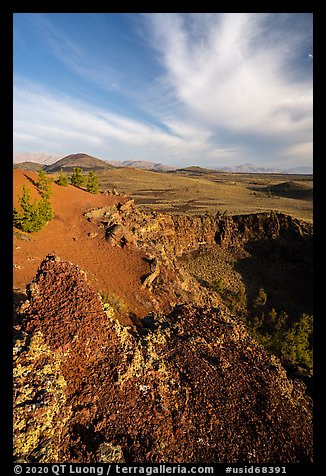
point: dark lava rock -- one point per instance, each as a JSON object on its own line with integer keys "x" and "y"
{"x": 193, "y": 388}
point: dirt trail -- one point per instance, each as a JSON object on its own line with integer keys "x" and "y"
{"x": 70, "y": 236}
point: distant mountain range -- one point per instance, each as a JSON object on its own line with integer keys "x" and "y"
{"x": 88, "y": 162}
{"x": 142, "y": 164}
{"x": 32, "y": 161}
{"x": 249, "y": 168}
{"x": 35, "y": 157}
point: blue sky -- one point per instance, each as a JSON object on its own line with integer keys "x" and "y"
{"x": 181, "y": 89}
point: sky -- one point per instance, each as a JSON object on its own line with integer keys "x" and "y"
{"x": 207, "y": 89}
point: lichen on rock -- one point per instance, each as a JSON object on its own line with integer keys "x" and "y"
{"x": 40, "y": 407}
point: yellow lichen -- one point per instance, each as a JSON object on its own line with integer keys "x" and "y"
{"x": 40, "y": 409}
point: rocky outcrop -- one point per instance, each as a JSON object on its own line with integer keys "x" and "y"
{"x": 155, "y": 235}
{"x": 191, "y": 386}
{"x": 269, "y": 233}
{"x": 180, "y": 234}
{"x": 165, "y": 237}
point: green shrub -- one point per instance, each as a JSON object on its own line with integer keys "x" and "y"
{"x": 63, "y": 179}
{"x": 45, "y": 210}
{"x": 77, "y": 177}
{"x": 32, "y": 216}
{"x": 281, "y": 337}
{"x": 297, "y": 343}
{"x": 92, "y": 185}
{"x": 44, "y": 183}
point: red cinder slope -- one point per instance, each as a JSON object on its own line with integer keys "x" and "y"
{"x": 72, "y": 237}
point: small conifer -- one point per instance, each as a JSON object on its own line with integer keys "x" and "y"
{"x": 77, "y": 177}
{"x": 63, "y": 179}
{"x": 92, "y": 183}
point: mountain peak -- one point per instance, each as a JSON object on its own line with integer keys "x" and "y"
{"x": 81, "y": 160}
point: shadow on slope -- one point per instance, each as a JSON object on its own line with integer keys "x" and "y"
{"x": 294, "y": 189}
{"x": 283, "y": 270}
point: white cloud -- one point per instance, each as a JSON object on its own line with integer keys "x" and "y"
{"x": 186, "y": 130}
{"x": 230, "y": 77}
{"x": 22, "y": 137}
{"x": 64, "y": 124}
{"x": 299, "y": 151}
{"x": 226, "y": 96}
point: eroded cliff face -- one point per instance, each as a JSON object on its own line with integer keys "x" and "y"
{"x": 186, "y": 234}
{"x": 178, "y": 234}
{"x": 190, "y": 386}
{"x": 164, "y": 238}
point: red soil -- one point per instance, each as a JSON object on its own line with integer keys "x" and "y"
{"x": 108, "y": 268}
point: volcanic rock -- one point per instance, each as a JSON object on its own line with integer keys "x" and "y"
{"x": 191, "y": 386}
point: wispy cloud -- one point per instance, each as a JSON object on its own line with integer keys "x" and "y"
{"x": 65, "y": 124}
{"x": 84, "y": 63}
{"x": 228, "y": 89}
{"x": 298, "y": 152}
{"x": 229, "y": 76}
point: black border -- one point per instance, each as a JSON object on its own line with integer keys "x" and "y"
{"x": 6, "y": 42}
{"x": 6, "y": 332}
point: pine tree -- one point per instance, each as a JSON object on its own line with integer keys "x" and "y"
{"x": 32, "y": 216}
{"x": 63, "y": 179}
{"x": 297, "y": 341}
{"x": 77, "y": 177}
{"x": 45, "y": 210}
{"x": 92, "y": 183}
{"x": 44, "y": 183}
